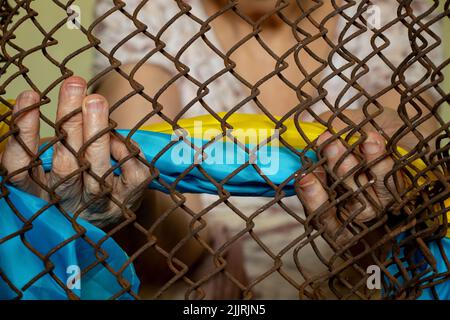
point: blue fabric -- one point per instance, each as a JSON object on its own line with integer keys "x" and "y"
{"x": 51, "y": 228}
{"x": 176, "y": 160}
{"x": 442, "y": 289}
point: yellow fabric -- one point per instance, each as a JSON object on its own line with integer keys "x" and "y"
{"x": 447, "y": 206}
{"x": 4, "y": 128}
{"x": 242, "y": 125}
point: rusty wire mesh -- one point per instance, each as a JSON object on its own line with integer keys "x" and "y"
{"x": 420, "y": 210}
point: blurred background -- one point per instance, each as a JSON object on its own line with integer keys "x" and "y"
{"x": 43, "y": 73}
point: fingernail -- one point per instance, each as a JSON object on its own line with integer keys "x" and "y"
{"x": 307, "y": 183}
{"x": 332, "y": 150}
{"x": 371, "y": 146}
{"x": 75, "y": 89}
{"x": 24, "y": 100}
{"x": 319, "y": 173}
{"x": 95, "y": 105}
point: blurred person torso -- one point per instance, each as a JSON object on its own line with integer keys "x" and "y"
{"x": 275, "y": 69}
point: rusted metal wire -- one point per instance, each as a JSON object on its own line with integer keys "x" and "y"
{"x": 418, "y": 211}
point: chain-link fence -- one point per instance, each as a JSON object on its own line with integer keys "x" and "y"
{"x": 280, "y": 245}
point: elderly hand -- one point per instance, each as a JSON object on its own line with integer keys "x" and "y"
{"x": 78, "y": 191}
{"x": 367, "y": 195}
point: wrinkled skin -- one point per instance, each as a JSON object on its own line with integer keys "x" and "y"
{"x": 77, "y": 191}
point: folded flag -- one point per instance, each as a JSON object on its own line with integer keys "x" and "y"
{"x": 243, "y": 155}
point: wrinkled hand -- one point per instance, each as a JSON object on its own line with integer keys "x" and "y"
{"x": 360, "y": 207}
{"x": 77, "y": 190}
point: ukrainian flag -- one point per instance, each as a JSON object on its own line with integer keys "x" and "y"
{"x": 243, "y": 155}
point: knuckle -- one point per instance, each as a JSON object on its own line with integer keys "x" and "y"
{"x": 136, "y": 173}
{"x": 131, "y": 181}
{"x": 64, "y": 162}
{"x": 73, "y": 123}
{"x": 360, "y": 209}
{"x": 384, "y": 194}
{"x": 367, "y": 214}
{"x": 66, "y": 185}
{"x": 102, "y": 219}
{"x": 145, "y": 175}
{"x": 71, "y": 202}
{"x": 98, "y": 141}
{"x": 384, "y": 186}
{"x": 19, "y": 178}
{"x": 91, "y": 190}
{"x": 347, "y": 164}
{"x": 142, "y": 173}
{"x": 135, "y": 146}
{"x": 27, "y": 128}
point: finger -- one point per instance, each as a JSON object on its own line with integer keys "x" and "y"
{"x": 374, "y": 148}
{"x": 313, "y": 192}
{"x": 134, "y": 172}
{"x": 16, "y": 156}
{"x": 95, "y": 120}
{"x": 343, "y": 166}
{"x": 315, "y": 197}
{"x": 71, "y": 95}
{"x": 320, "y": 174}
